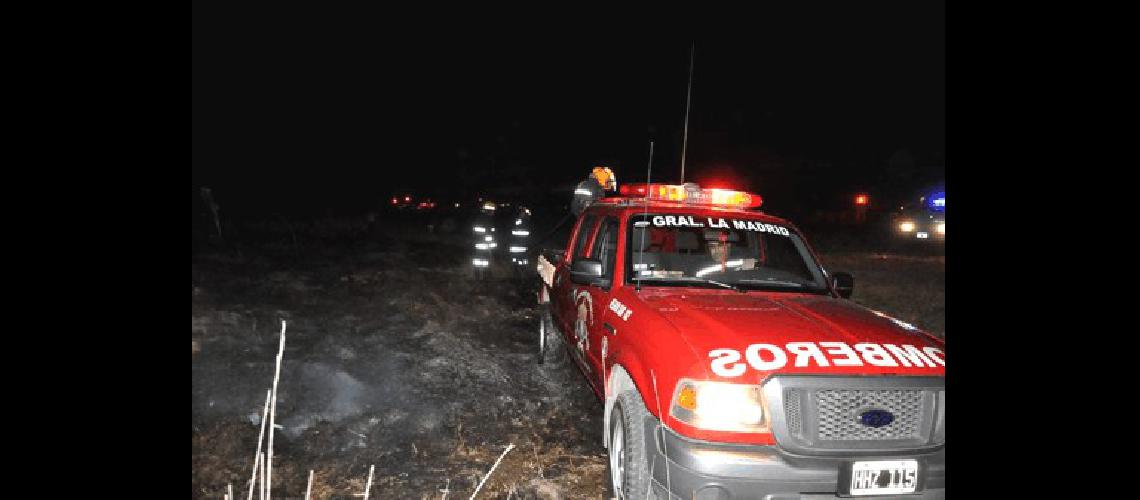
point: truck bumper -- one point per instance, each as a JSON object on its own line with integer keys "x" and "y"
{"x": 716, "y": 471}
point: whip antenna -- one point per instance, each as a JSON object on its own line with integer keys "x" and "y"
{"x": 641, "y": 245}
{"x": 688, "y": 100}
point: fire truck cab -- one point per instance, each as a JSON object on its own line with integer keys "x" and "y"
{"x": 729, "y": 361}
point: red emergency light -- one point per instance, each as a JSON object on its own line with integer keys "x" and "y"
{"x": 862, "y": 199}
{"x": 692, "y": 194}
{"x": 632, "y": 189}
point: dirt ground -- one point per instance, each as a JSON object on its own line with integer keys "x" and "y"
{"x": 395, "y": 357}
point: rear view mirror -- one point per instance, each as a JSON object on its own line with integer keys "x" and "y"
{"x": 844, "y": 284}
{"x": 587, "y": 272}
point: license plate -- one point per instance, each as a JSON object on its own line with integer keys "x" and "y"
{"x": 922, "y": 235}
{"x": 884, "y": 477}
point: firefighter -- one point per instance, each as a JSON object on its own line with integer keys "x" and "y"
{"x": 484, "y": 238}
{"x": 600, "y": 180}
{"x": 519, "y": 248}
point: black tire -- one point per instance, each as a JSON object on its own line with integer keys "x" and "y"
{"x": 551, "y": 347}
{"x": 628, "y": 453}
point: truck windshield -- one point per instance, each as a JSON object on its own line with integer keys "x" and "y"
{"x": 746, "y": 254}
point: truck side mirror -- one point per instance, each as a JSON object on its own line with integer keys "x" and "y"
{"x": 844, "y": 284}
{"x": 587, "y": 272}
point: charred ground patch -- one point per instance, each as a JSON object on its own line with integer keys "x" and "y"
{"x": 395, "y": 357}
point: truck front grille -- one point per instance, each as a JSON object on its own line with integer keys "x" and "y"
{"x": 792, "y": 413}
{"x": 822, "y": 414}
{"x": 839, "y": 413}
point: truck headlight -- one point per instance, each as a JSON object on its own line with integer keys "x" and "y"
{"x": 906, "y": 227}
{"x": 719, "y": 406}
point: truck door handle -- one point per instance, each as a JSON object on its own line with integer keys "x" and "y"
{"x": 613, "y": 331}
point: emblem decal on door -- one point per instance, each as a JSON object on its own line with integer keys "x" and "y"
{"x": 585, "y": 319}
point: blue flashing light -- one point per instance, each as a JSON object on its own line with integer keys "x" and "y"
{"x": 937, "y": 201}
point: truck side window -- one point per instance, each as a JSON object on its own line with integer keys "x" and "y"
{"x": 605, "y": 245}
{"x": 584, "y": 232}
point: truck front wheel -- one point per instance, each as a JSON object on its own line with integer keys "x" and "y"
{"x": 628, "y": 468}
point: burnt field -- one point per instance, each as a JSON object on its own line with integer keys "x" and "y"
{"x": 396, "y": 357}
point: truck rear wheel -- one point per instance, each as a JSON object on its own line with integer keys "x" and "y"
{"x": 627, "y": 467}
{"x": 550, "y": 345}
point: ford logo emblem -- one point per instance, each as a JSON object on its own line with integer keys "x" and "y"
{"x": 876, "y": 418}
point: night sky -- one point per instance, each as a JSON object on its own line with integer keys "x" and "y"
{"x": 343, "y": 108}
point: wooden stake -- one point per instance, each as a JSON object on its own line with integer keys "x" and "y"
{"x": 509, "y": 448}
{"x": 368, "y": 487}
{"x": 273, "y": 417}
{"x": 260, "y": 435}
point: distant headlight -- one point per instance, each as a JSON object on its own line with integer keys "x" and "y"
{"x": 906, "y": 227}
{"x": 719, "y": 406}
{"x": 479, "y": 229}
{"x": 941, "y": 228}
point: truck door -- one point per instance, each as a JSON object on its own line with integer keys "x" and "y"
{"x": 592, "y": 319}
{"x": 564, "y": 309}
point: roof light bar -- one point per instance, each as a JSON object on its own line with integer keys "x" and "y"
{"x": 692, "y": 194}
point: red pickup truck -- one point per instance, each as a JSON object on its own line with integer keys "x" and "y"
{"x": 729, "y": 361}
